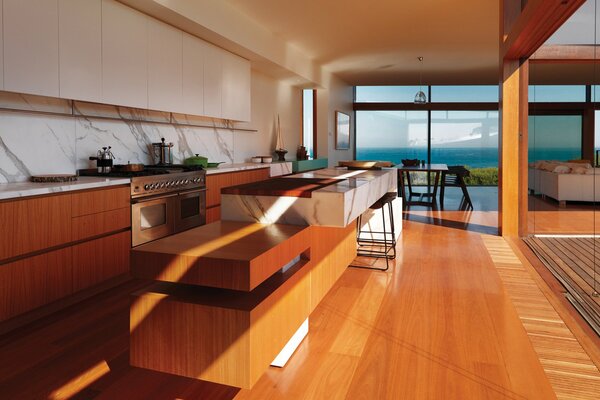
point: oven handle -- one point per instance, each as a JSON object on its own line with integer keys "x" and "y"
{"x": 191, "y": 191}
{"x": 150, "y": 198}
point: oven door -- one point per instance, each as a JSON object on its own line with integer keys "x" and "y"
{"x": 190, "y": 209}
{"x": 152, "y": 219}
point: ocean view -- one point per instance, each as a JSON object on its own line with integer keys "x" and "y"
{"x": 472, "y": 157}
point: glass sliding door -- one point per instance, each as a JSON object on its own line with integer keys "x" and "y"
{"x": 555, "y": 137}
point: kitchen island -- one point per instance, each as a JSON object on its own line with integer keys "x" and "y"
{"x": 234, "y": 297}
{"x": 327, "y": 197}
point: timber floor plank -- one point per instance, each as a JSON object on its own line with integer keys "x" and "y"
{"x": 570, "y": 370}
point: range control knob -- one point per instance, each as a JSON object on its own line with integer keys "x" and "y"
{"x": 146, "y": 187}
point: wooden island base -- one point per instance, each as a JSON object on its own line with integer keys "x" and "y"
{"x": 232, "y": 336}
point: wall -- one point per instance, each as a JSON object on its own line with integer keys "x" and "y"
{"x": 338, "y": 96}
{"x": 41, "y": 135}
{"x": 270, "y": 98}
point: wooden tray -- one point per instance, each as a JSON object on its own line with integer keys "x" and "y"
{"x": 53, "y": 178}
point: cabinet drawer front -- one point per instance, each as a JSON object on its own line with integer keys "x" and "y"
{"x": 87, "y": 226}
{"x": 34, "y": 224}
{"x": 98, "y": 201}
{"x": 101, "y": 259}
{"x": 35, "y": 281}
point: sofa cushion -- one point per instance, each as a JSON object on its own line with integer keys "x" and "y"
{"x": 561, "y": 169}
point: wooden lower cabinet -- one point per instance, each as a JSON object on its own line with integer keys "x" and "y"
{"x": 213, "y": 214}
{"x": 100, "y": 259}
{"x": 332, "y": 250}
{"x": 42, "y": 258}
{"x": 34, "y": 281}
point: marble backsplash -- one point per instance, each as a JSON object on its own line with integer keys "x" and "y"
{"x": 51, "y": 136}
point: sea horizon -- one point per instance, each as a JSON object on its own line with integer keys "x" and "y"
{"x": 486, "y": 157}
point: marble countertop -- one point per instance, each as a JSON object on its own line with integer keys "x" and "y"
{"x": 26, "y": 189}
{"x": 334, "y": 205}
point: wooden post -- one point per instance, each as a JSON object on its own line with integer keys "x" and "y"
{"x": 512, "y": 191}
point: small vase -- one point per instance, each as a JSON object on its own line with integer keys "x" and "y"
{"x": 281, "y": 154}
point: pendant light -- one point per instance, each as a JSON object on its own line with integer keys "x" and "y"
{"x": 420, "y": 97}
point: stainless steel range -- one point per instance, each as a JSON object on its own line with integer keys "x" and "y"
{"x": 164, "y": 200}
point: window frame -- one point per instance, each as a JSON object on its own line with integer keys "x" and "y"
{"x": 314, "y": 122}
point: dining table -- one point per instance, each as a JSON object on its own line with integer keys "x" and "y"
{"x": 427, "y": 198}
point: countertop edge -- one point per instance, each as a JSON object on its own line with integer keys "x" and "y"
{"x": 19, "y": 190}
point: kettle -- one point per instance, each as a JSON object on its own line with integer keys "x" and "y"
{"x": 162, "y": 152}
{"x": 104, "y": 160}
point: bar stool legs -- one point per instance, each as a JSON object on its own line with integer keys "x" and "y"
{"x": 375, "y": 247}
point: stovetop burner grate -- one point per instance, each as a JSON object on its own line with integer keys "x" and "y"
{"x": 123, "y": 174}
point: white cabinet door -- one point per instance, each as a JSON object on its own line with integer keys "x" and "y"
{"x": 194, "y": 51}
{"x": 164, "y": 67}
{"x": 31, "y": 46}
{"x": 80, "y": 49}
{"x": 236, "y": 88}
{"x": 124, "y": 55}
{"x": 213, "y": 78}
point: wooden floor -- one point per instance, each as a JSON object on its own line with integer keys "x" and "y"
{"x": 546, "y": 217}
{"x": 440, "y": 324}
{"x": 572, "y": 373}
{"x": 574, "y": 262}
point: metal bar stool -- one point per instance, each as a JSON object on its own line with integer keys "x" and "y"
{"x": 384, "y": 247}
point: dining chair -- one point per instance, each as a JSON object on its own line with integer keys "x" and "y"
{"x": 455, "y": 177}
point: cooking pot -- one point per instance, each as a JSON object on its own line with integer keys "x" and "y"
{"x": 196, "y": 161}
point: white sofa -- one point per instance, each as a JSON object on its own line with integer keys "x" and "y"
{"x": 565, "y": 187}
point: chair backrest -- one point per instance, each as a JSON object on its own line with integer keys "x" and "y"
{"x": 458, "y": 170}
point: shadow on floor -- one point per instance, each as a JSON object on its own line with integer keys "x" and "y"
{"x": 482, "y": 218}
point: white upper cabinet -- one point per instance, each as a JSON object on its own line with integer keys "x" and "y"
{"x": 164, "y": 66}
{"x": 106, "y": 52}
{"x": 236, "y": 88}
{"x": 124, "y": 55}
{"x": 213, "y": 81}
{"x": 80, "y": 49}
{"x": 194, "y": 51}
{"x": 31, "y": 46}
